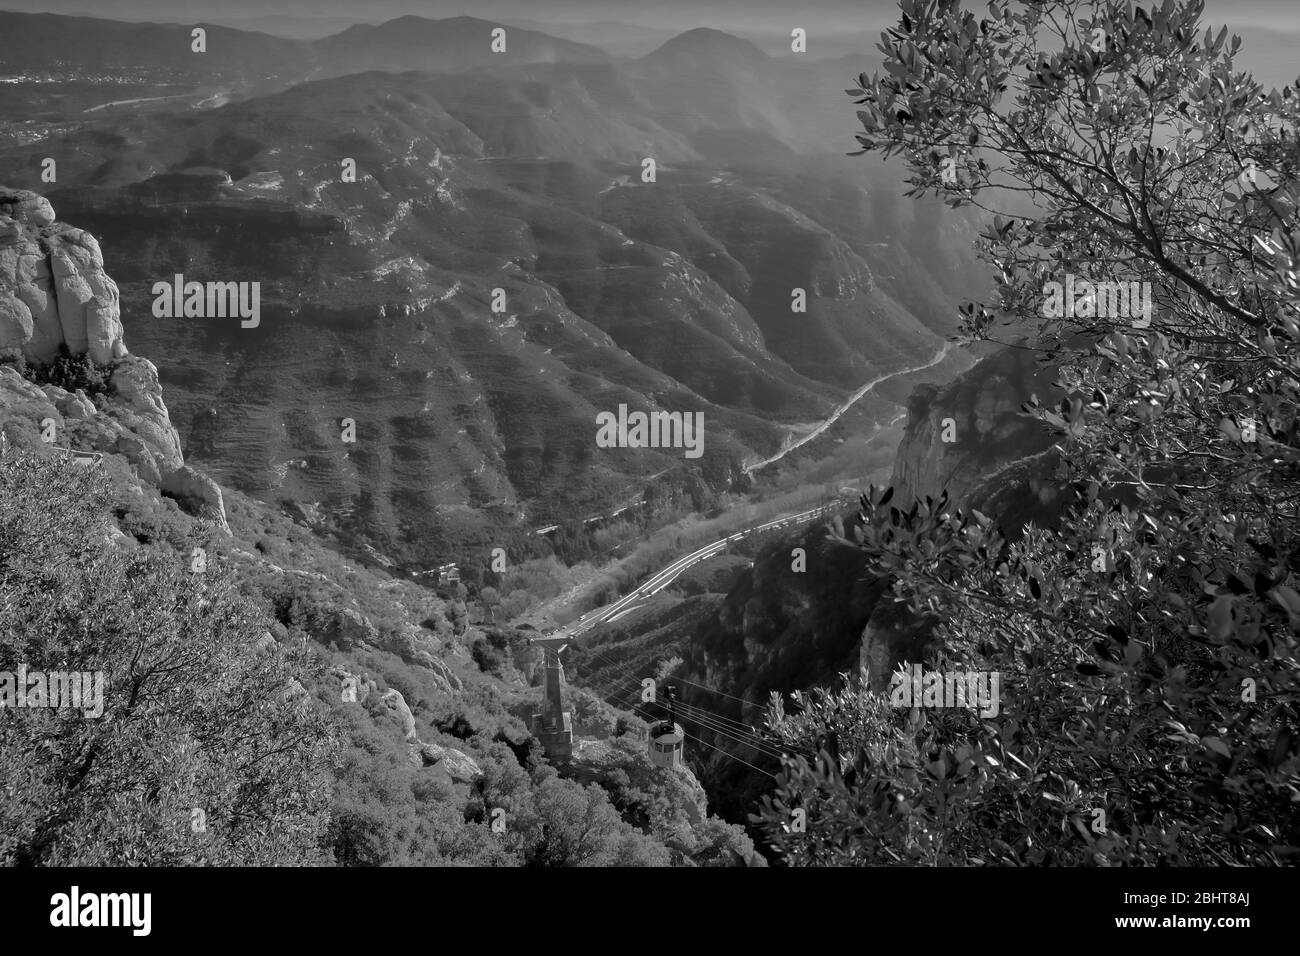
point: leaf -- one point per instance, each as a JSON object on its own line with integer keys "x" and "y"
{"x": 1281, "y": 747}
{"x": 1217, "y": 746}
{"x": 1133, "y": 654}
{"x": 1220, "y": 617}
{"x": 1288, "y": 598}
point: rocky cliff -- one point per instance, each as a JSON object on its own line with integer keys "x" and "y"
{"x": 66, "y": 378}
{"x": 53, "y": 290}
{"x": 789, "y": 624}
{"x": 961, "y": 434}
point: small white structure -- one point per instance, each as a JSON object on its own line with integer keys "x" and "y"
{"x": 664, "y": 745}
{"x": 665, "y": 738}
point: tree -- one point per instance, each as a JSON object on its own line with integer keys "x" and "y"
{"x": 208, "y": 751}
{"x": 577, "y": 826}
{"x": 1146, "y": 640}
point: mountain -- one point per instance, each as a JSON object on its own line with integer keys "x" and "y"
{"x": 59, "y": 68}
{"x": 452, "y": 44}
{"x": 719, "y": 50}
{"x": 960, "y": 435}
{"x": 474, "y": 425}
{"x": 430, "y": 711}
{"x": 810, "y": 607}
{"x": 41, "y": 43}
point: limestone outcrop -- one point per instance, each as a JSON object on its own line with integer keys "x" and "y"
{"x": 459, "y": 765}
{"x": 959, "y": 435}
{"x": 53, "y": 288}
{"x": 61, "y": 326}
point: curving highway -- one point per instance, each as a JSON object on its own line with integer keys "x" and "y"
{"x": 849, "y": 403}
{"x": 668, "y": 574}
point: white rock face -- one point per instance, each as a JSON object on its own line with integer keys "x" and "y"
{"x": 22, "y": 407}
{"x": 55, "y": 295}
{"x": 53, "y": 288}
{"x": 200, "y": 493}
{"x": 392, "y": 704}
{"x": 15, "y": 322}
{"x": 137, "y": 405}
{"x": 459, "y": 765}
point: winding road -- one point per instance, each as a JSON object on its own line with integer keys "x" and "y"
{"x": 668, "y": 574}
{"x": 849, "y": 403}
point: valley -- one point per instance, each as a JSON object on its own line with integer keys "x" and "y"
{"x": 554, "y": 441}
{"x": 478, "y": 187}
{"x": 392, "y": 287}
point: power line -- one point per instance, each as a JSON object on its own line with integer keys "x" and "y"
{"x": 752, "y": 740}
{"x": 708, "y": 719}
{"x": 718, "y": 719}
{"x": 724, "y": 726}
{"x": 728, "y": 727}
{"x": 713, "y": 690}
{"x": 724, "y": 753}
{"x": 738, "y": 724}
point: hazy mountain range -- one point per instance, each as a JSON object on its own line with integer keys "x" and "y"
{"x": 477, "y": 171}
{"x": 521, "y": 172}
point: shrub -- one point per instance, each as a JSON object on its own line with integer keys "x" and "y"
{"x": 1146, "y": 643}
{"x": 71, "y": 372}
{"x": 193, "y": 719}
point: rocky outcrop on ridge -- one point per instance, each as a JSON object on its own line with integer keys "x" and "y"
{"x": 53, "y": 289}
{"x": 57, "y": 305}
{"x": 959, "y": 435}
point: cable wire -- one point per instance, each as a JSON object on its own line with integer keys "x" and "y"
{"x": 724, "y": 753}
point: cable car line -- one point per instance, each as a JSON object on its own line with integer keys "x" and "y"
{"x": 726, "y": 727}
{"x": 714, "y": 690}
{"x": 706, "y": 718}
{"x": 724, "y": 753}
{"x": 757, "y": 743}
{"x": 720, "y": 723}
{"x": 709, "y": 720}
{"x": 738, "y": 724}
{"x": 713, "y": 721}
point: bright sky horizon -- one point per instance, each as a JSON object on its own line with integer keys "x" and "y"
{"x": 744, "y": 15}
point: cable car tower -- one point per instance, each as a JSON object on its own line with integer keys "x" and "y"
{"x": 664, "y": 746}
{"x": 553, "y": 725}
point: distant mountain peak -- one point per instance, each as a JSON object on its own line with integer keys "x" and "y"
{"x": 706, "y": 42}
{"x": 414, "y": 42}
{"x": 413, "y": 19}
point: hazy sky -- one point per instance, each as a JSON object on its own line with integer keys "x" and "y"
{"x": 749, "y": 15}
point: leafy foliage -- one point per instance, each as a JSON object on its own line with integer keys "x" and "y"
{"x": 193, "y": 718}
{"x": 71, "y": 372}
{"x": 1146, "y": 641}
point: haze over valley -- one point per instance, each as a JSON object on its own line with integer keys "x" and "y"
{"x": 502, "y": 434}
{"x": 495, "y": 173}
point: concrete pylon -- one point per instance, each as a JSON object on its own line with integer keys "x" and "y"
{"x": 553, "y": 725}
